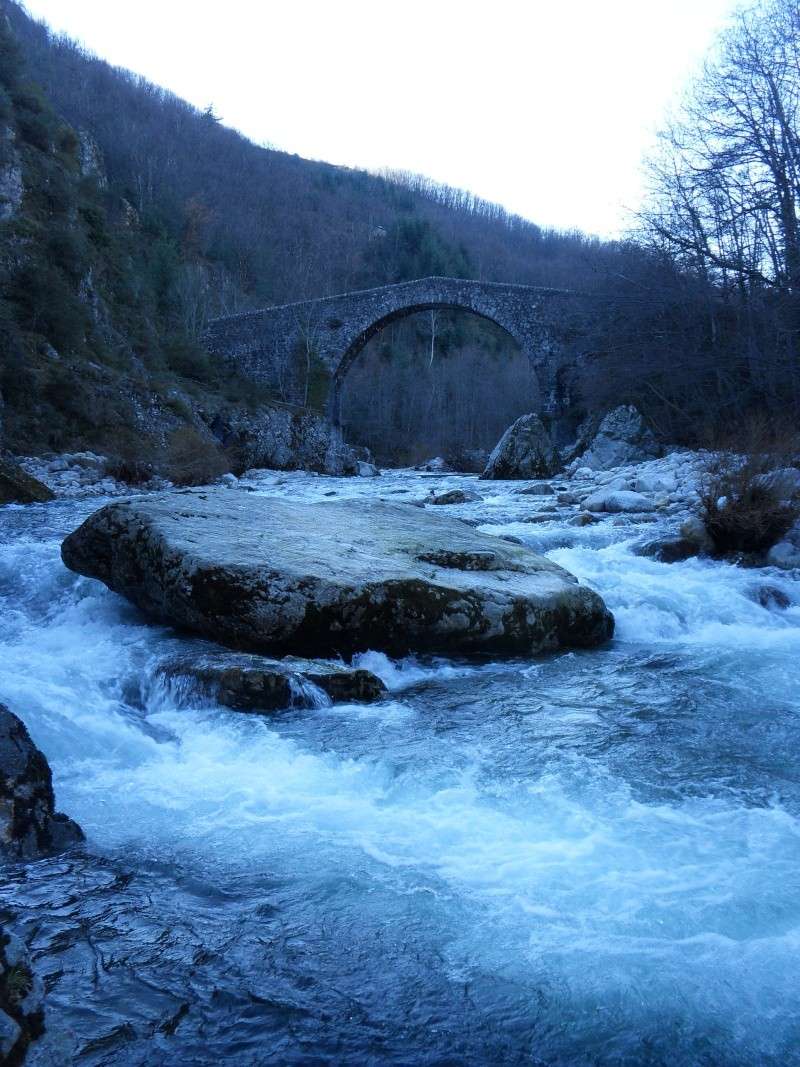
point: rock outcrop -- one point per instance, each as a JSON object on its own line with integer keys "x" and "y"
{"x": 282, "y": 439}
{"x": 668, "y": 549}
{"x": 29, "y": 823}
{"x": 12, "y": 186}
{"x": 622, "y": 437}
{"x": 19, "y": 487}
{"x": 525, "y": 450}
{"x": 21, "y": 1000}
{"x": 270, "y": 575}
{"x": 252, "y": 683}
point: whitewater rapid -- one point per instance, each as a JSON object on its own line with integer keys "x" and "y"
{"x": 587, "y": 858}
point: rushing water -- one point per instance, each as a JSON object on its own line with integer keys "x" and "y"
{"x": 589, "y": 858}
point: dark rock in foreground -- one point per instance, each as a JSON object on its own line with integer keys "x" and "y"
{"x": 29, "y": 824}
{"x": 19, "y": 487}
{"x": 251, "y": 683}
{"x": 269, "y": 575}
{"x": 21, "y": 1000}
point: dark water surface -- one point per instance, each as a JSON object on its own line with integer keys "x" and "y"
{"x": 592, "y": 858}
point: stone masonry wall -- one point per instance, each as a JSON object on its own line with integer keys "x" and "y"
{"x": 267, "y": 345}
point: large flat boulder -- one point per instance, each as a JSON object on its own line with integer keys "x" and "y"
{"x": 271, "y": 575}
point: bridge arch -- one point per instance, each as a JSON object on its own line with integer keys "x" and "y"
{"x": 261, "y": 344}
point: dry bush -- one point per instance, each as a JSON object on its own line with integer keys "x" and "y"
{"x": 192, "y": 459}
{"x": 742, "y": 512}
{"x": 132, "y": 458}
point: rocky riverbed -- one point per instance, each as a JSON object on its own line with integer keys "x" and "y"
{"x": 587, "y": 857}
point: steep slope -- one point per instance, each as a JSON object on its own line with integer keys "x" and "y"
{"x": 284, "y": 228}
{"x": 96, "y": 350}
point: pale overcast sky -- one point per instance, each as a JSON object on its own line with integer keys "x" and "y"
{"x": 546, "y": 106}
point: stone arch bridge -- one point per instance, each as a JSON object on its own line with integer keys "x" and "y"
{"x": 270, "y": 345}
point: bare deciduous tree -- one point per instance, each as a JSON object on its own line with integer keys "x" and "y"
{"x": 726, "y": 189}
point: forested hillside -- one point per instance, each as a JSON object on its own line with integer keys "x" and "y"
{"x": 142, "y": 217}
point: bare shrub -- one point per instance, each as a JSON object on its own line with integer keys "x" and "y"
{"x": 192, "y": 459}
{"x": 132, "y": 459}
{"x": 741, "y": 507}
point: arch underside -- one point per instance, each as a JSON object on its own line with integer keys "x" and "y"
{"x": 356, "y": 346}
{"x": 359, "y": 342}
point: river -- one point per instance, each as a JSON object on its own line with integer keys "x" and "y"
{"x": 587, "y": 858}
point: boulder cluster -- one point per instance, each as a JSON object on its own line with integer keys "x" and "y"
{"x": 527, "y": 448}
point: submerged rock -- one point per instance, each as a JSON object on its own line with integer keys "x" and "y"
{"x": 454, "y": 496}
{"x": 19, "y": 487}
{"x": 669, "y": 549}
{"x": 583, "y": 518}
{"x": 271, "y": 575}
{"x": 693, "y": 529}
{"x": 525, "y": 450}
{"x": 29, "y": 824}
{"x": 437, "y": 465}
{"x": 251, "y": 683}
{"x": 769, "y": 596}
